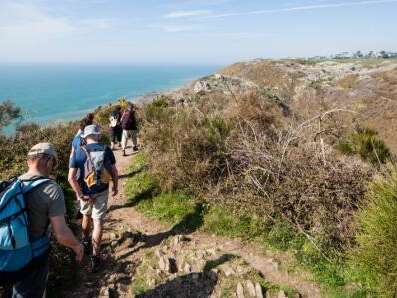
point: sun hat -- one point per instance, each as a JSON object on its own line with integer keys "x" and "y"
{"x": 91, "y": 130}
{"x": 43, "y": 148}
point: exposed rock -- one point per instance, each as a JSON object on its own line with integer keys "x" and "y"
{"x": 201, "y": 86}
{"x": 180, "y": 260}
{"x": 175, "y": 243}
{"x": 240, "y": 291}
{"x": 223, "y": 84}
{"x": 273, "y": 265}
{"x": 227, "y": 270}
{"x": 250, "y": 288}
{"x": 158, "y": 253}
{"x": 163, "y": 263}
{"x": 282, "y": 294}
{"x": 113, "y": 236}
{"x": 187, "y": 268}
{"x": 258, "y": 290}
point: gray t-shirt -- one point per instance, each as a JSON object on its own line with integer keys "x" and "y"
{"x": 45, "y": 201}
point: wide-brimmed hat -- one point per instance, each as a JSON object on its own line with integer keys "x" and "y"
{"x": 43, "y": 148}
{"x": 91, "y": 130}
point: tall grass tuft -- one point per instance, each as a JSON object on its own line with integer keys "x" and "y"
{"x": 374, "y": 260}
{"x": 366, "y": 143}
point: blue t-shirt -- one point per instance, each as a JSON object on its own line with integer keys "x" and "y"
{"x": 78, "y": 159}
{"x": 77, "y": 141}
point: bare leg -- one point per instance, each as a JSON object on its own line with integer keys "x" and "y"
{"x": 86, "y": 226}
{"x": 134, "y": 137}
{"x": 96, "y": 237}
{"x": 124, "y": 139}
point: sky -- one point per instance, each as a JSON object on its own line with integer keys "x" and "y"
{"x": 190, "y": 31}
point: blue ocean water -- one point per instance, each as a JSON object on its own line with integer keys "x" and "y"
{"x": 49, "y": 93}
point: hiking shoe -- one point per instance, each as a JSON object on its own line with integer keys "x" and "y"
{"x": 79, "y": 215}
{"x": 87, "y": 246}
{"x": 95, "y": 264}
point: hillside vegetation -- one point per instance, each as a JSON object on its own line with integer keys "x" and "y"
{"x": 290, "y": 147}
{"x": 294, "y": 155}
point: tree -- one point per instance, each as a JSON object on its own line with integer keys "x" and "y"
{"x": 358, "y": 54}
{"x": 384, "y": 54}
{"x": 8, "y": 113}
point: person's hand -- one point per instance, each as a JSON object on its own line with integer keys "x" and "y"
{"x": 115, "y": 190}
{"x": 79, "y": 251}
{"x": 86, "y": 198}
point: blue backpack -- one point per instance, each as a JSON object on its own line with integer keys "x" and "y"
{"x": 17, "y": 250}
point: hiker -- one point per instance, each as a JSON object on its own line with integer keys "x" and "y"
{"x": 130, "y": 128}
{"x": 87, "y": 120}
{"x": 90, "y": 171}
{"x": 115, "y": 127}
{"x": 25, "y": 260}
{"x": 77, "y": 142}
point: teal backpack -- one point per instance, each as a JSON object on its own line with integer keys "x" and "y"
{"x": 17, "y": 250}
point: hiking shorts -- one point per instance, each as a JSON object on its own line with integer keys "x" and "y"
{"x": 98, "y": 207}
{"x": 34, "y": 281}
{"x": 129, "y": 134}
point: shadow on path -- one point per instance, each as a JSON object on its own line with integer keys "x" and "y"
{"x": 193, "y": 285}
{"x": 189, "y": 224}
{"x": 142, "y": 196}
{"x": 131, "y": 174}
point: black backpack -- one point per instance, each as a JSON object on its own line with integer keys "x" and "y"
{"x": 129, "y": 121}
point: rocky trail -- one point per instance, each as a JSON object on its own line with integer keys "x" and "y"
{"x": 145, "y": 258}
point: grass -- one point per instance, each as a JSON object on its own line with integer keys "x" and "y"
{"x": 374, "y": 260}
{"x": 140, "y": 283}
{"x": 366, "y": 143}
{"x": 177, "y": 208}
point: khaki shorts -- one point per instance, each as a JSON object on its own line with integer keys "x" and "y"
{"x": 96, "y": 208}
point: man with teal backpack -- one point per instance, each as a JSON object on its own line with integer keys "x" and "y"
{"x": 28, "y": 205}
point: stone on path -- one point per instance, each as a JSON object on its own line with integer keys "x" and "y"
{"x": 240, "y": 291}
{"x": 187, "y": 268}
{"x": 250, "y": 288}
{"x": 163, "y": 263}
{"x": 282, "y": 294}
{"x": 227, "y": 270}
{"x": 258, "y": 290}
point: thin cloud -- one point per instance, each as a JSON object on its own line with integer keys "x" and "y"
{"x": 174, "y": 28}
{"x": 186, "y": 13}
{"x": 303, "y": 8}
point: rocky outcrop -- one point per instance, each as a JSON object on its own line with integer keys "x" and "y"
{"x": 178, "y": 268}
{"x": 222, "y": 83}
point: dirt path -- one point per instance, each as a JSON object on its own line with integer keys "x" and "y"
{"x": 124, "y": 249}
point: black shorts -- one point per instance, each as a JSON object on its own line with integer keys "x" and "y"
{"x": 115, "y": 134}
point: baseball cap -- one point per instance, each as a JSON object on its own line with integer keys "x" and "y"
{"x": 43, "y": 148}
{"x": 91, "y": 130}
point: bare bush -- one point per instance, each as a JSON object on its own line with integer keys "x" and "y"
{"x": 243, "y": 151}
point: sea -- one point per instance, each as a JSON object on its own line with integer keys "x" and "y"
{"x": 53, "y": 93}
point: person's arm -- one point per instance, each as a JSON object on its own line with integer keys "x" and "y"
{"x": 74, "y": 183}
{"x": 71, "y": 153}
{"x": 65, "y": 236}
{"x": 115, "y": 178}
{"x": 110, "y": 164}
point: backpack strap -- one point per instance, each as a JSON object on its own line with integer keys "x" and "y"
{"x": 29, "y": 185}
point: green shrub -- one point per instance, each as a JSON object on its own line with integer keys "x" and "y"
{"x": 156, "y": 110}
{"x": 14, "y": 149}
{"x": 8, "y": 113}
{"x": 366, "y": 143}
{"x": 374, "y": 260}
{"x": 103, "y": 113}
